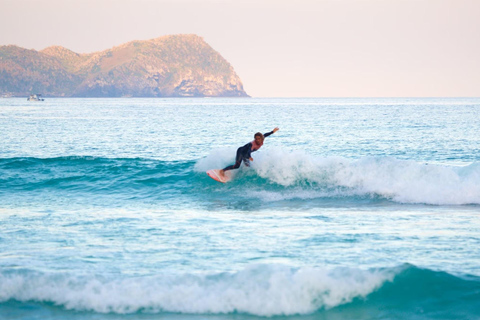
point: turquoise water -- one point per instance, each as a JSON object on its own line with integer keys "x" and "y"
{"x": 355, "y": 209}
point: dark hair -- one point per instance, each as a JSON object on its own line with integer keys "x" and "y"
{"x": 259, "y": 134}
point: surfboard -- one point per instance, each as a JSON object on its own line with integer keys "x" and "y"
{"x": 215, "y": 175}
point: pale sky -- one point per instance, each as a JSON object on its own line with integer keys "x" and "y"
{"x": 300, "y": 48}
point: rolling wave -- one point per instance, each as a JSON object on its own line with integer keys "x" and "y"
{"x": 274, "y": 176}
{"x": 260, "y": 290}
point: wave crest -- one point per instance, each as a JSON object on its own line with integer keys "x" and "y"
{"x": 275, "y": 175}
{"x": 406, "y": 181}
{"x": 263, "y": 290}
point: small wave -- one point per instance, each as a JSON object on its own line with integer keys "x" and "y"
{"x": 134, "y": 176}
{"x": 260, "y": 290}
{"x": 264, "y": 290}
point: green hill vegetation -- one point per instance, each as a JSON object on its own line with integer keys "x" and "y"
{"x": 169, "y": 66}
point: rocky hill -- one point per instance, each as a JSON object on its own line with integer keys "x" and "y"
{"x": 169, "y": 66}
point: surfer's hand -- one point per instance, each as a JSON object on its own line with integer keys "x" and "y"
{"x": 251, "y": 159}
{"x": 275, "y": 130}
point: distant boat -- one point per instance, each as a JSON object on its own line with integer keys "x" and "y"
{"x": 35, "y": 97}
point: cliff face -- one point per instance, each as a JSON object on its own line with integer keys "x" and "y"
{"x": 170, "y": 66}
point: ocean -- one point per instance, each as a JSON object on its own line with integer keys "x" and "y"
{"x": 357, "y": 208}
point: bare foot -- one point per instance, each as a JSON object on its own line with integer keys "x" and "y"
{"x": 222, "y": 173}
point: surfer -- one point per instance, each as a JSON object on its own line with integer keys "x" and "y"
{"x": 244, "y": 153}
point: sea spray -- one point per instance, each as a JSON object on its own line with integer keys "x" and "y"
{"x": 305, "y": 176}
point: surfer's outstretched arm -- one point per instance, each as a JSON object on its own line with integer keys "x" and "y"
{"x": 271, "y": 132}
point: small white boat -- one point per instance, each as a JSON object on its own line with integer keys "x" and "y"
{"x": 35, "y": 97}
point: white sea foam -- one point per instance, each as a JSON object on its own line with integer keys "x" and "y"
{"x": 404, "y": 181}
{"x": 218, "y": 158}
{"x": 264, "y": 290}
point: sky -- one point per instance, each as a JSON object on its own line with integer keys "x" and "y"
{"x": 300, "y": 48}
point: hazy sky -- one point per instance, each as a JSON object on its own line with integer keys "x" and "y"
{"x": 300, "y": 48}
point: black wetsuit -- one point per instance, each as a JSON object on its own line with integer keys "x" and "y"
{"x": 243, "y": 154}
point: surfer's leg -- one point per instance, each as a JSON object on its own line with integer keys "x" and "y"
{"x": 238, "y": 161}
{"x": 235, "y": 166}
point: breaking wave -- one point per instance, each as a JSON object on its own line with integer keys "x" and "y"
{"x": 261, "y": 290}
{"x": 274, "y": 176}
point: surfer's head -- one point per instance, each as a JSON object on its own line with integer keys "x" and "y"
{"x": 259, "y": 138}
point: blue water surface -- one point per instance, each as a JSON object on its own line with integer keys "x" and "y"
{"x": 355, "y": 209}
